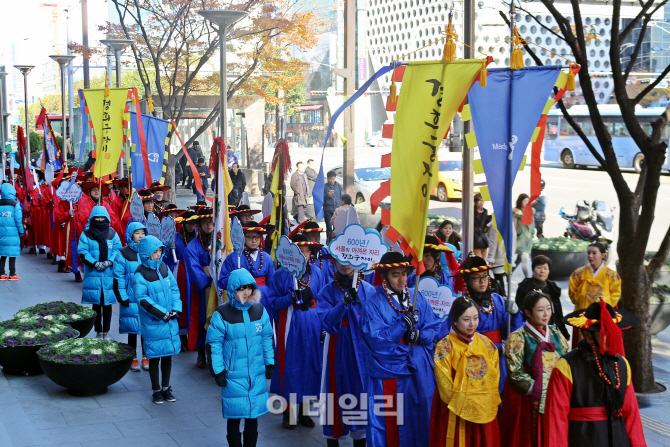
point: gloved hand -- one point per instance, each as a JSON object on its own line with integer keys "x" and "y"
{"x": 350, "y": 296}
{"x": 108, "y": 264}
{"x": 511, "y": 307}
{"x": 323, "y": 336}
{"x": 167, "y": 316}
{"x": 71, "y": 213}
{"x": 62, "y": 225}
{"x": 99, "y": 266}
{"x": 307, "y": 298}
{"x": 174, "y": 315}
{"x": 125, "y": 303}
{"x": 171, "y": 246}
{"x": 269, "y": 370}
{"x": 412, "y": 335}
{"x": 296, "y": 296}
{"x": 411, "y": 318}
{"x": 220, "y": 379}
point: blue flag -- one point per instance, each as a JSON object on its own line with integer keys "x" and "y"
{"x": 505, "y": 114}
{"x": 156, "y": 132}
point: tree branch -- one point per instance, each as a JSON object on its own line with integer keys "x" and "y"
{"x": 659, "y": 258}
{"x": 651, "y": 86}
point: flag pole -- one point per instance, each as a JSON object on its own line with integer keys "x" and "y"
{"x": 508, "y": 179}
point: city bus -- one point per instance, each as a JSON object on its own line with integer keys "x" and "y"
{"x": 562, "y": 144}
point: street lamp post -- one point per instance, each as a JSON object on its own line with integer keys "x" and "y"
{"x": 25, "y": 69}
{"x": 224, "y": 19}
{"x": 2, "y": 128}
{"x": 63, "y": 60}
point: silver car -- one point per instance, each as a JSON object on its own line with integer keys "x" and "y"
{"x": 366, "y": 181}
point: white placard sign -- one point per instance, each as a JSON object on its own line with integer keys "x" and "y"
{"x": 237, "y": 235}
{"x": 345, "y": 217}
{"x": 70, "y": 193}
{"x": 167, "y": 230}
{"x": 136, "y": 208}
{"x": 440, "y": 297}
{"x": 358, "y": 247}
{"x": 153, "y": 226}
{"x": 291, "y": 258}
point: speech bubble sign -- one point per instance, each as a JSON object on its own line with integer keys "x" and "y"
{"x": 345, "y": 217}
{"x": 237, "y": 235}
{"x": 153, "y": 226}
{"x": 70, "y": 193}
{"x": 358, "y": 247}
{"x": 136, "y": 208}
{"x": 440, "y": 297}
{"x": 291, "y": 258}
{"x": 167, "y": 230}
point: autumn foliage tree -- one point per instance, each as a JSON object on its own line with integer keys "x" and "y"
{"x": 175, "y": 46}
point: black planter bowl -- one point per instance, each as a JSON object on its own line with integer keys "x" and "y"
{"x": 20, "y": 360}
{"x": 83, "y": 326}
{"x": 563, "y": 263}
{"x": 86, "y": 380}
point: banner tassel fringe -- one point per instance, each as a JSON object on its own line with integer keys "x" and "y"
{"x": 516, "y": 61}
{"x": 449, "y": 51}
{"x": 483, "y": 73}
{"x": 570, "y": 85}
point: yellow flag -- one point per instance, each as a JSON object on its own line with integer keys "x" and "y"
{"x": 107, "y": 117}
{"x": 276, "y": 206}
{"x": 431, "y": 94}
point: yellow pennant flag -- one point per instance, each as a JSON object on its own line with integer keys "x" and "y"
{"x": 431, "y": 94}
{"x": 108, "y": 119}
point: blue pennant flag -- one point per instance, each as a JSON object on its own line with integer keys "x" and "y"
{"x": 156, "y": 131}
{"x": 505, "y": 114}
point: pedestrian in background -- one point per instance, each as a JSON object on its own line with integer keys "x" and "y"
{"x": 539, "y": 205}
{"x": 447, "y": 234}
{"x": 185, "y": 169}
{"x": 300, "y": 191}
{"x": 311, "y": 174}
{"x": 482, "y": 220}
{"x": 11, "y": 231}
{"x": 239, "y": 184}
{"x": 524, "y": 236}
{"x": 332, "y": 195}
{"x": 203, "y": 172}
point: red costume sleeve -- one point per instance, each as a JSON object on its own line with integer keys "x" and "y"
{"x": 631, "y": 415}
{"x": 557, "y": 406}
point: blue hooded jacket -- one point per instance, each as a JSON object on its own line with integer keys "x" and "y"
{"x": 97, "y": 284}
{"x": 156, "y": 292}
{"x": 125, "y": 264}
{"x": 239, "y": 339}
{"x": 11, "y": 225}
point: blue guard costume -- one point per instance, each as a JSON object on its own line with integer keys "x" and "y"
{"x": 399, "y": 365}
{"x": 435, "y": 249}
{"x": 181, "y": 240}
{"x": 340, "y": 307}
{"x": 299, "y": 336}
{"x": 320, "y": 256}
{"x": 197, "y": 259}
{"x": 169, "y": 259}
{"x": 257, "y": 262}
{"x": 493, "y": 310}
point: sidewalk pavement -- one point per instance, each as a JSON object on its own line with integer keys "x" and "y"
{"x": 36, "y": 412}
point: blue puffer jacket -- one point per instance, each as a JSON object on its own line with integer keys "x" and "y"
{"x": 157, "y": 293}
{"x": 97, "y": 284}
{"x": 240, "y": 340}
{"x": 125, "y": 264}
{"x": 11, "y": 227}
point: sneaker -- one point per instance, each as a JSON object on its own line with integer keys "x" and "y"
{"x": 65, "y": 270}
{"x": 135, "y": 366}
{"x": 4, "y": 277}
{"x": 287, "y": 422}
{"x": 106, "y": 336}
{"x": 158, "y": 398}
{"x": 77, "y": 277}
{"x": 42, "y": 251}
{"x": 50, "y": 256}
{"x": 167, "y": 395}
{"x": 305, "y": 421}
{"x": 14, "y": 278}
{"x": 98, "y": 335}
{"x": 145, "y": 363}
{"x": 201, "y": 362}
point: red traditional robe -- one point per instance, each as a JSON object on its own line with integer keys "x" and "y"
{"x": 575, "y": 414}
{"x": 40, "y": 214}
{"x": 67, "y": 233}
{"x": 86, "y": 205}
{"x": 59, "y": 237}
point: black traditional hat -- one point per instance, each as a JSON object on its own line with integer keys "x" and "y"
{"x": 203, "y": 213}
{"x": 392, "y": 260}
{"x": 156, "y": 186}
{"x": 255, "y": 227}
{"x": 473, "y": 264}
{"x": 312, "y": 227}
{"x": 243, "y": 209}
{"x": 170, "y": 208}
{"x": 301, "y": 240}
{"x": 146, "y": 195}
{"x": 184, "y": 216}
{"x": 433, "y": 243}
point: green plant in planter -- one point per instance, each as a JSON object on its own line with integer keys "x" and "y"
{"x": 32, "y": 332}
{"x": 86, "y": 351}
{"x": 56, "y": 311}
{"x": 560, "y": 244}
{"x": 660, "y": 294}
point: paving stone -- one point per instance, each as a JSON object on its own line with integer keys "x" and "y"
{"x": 32, "y": 407}
{"x": 107, "y": 414}
{"x": 83, "y": 433}
{"x": 154, "y": 440}
{"x": 133, "y": 428}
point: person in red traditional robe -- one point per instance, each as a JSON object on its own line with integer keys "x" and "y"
{"x": 93, "y": 196}
{"x": 590, "y": 398}
{"x": 40, "y": 215}
{"x": 59, "y": 233}
{"x": 121, "y": 205}
{"x": 186, "y": 232}
{"x": 67, "y": 217}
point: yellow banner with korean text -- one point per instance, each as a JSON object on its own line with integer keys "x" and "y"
{"x": 431, "y": 94}
{"x": 108, "y": 120}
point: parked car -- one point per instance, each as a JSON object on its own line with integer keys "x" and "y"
{"x": 366, "y": 181}
{"x": 376, "y": 139}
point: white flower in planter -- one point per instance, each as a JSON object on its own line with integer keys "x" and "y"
{"x": 111, "y": 348}
{"x": 11, "y": 333}
{"x": 30, "y": 334}
{"x": 96, "y": 351}
{"x": 75, "y": 317}
{"x": 48, "y": 317}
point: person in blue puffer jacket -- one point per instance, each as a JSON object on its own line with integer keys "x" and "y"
{"x": 97, "y": 249}
{"x": 157, "y": 294}
{"x": 11, "y": 231}
{"x": 125, "y": 264}
{"x": 239, "y": 343}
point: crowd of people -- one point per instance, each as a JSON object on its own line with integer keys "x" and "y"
{"x": 365, "y": 347}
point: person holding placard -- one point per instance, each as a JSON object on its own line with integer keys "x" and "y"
{"x": 399, "y": 328}
{"x": 340, "y": 305}
{"x": 494, "y": 310}
{"x": 299, "y": 334}
{"x": 256, "y": 261}
{"x": 313, "y": 232}
{"x": 67, "y": 216}
{"x": 432, "y": 252}
{"x": 186, "y": 232}
{"x": 197, "y": 258}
